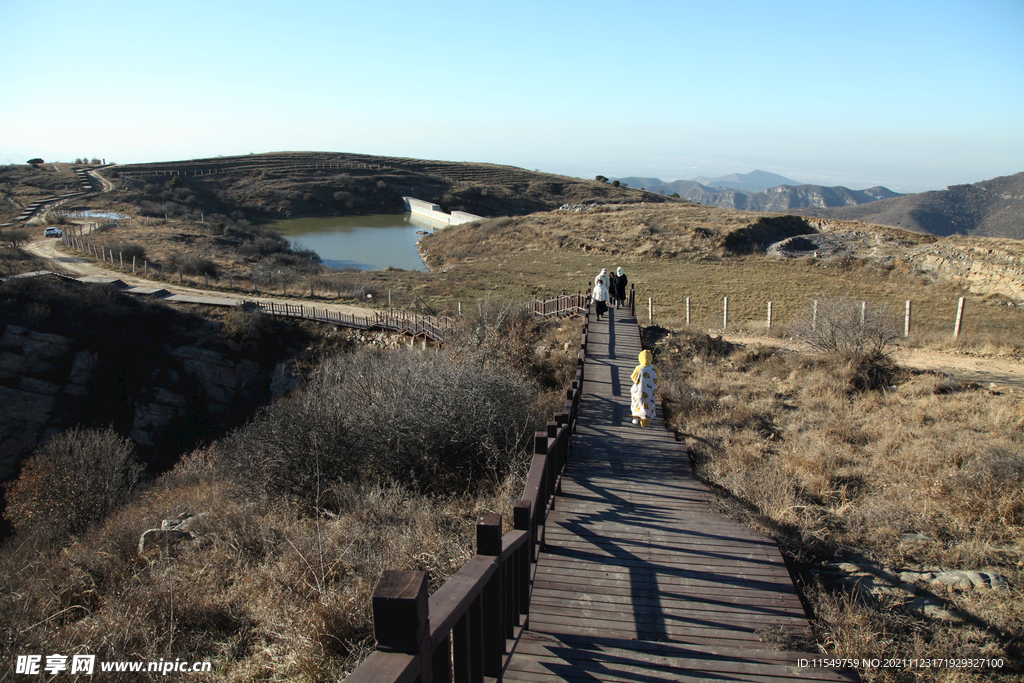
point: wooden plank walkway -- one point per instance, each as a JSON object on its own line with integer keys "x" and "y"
{"x": 640, "y": 580}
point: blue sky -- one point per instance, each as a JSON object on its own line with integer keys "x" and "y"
{"x": 911, "y": 95}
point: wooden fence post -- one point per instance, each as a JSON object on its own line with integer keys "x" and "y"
{"x": 521, "y": 522}
{"x": 725, "y": 312}
{"x": 687, "y": 311}
{"x": 400, "y": 617}
{"x": 488, "y": 542}
{"x": 769, "y": 315}
{"x": 906, "y": 321}
{"x": 814, "y": 319}
{"x": 650, "y": 311}
{"x": 959, "y": 316}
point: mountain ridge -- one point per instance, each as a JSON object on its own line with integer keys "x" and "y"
{"x": 989, "y": 208}
{"x": 781, "y": 197}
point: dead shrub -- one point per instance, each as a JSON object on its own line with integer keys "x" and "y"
{"x": 850, "y": 328}
{"x": 432, "y": 421}
{"x": 73, "y": 480}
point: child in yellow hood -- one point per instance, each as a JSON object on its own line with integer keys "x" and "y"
{"x": 645, "y": 383}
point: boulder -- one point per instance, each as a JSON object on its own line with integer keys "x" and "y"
{"x": 172, "y": 532}
{"x": 161, "y": 540}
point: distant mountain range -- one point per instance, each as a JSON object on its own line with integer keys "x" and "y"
{"x": 760, "y": 191}
{"x": 755, "y": 181}
{"x": 991, "y": 208}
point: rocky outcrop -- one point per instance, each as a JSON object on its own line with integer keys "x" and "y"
{"x": 42, "y": 379}
{"x": 172, "y": 533}
{"x": 50, "y": 382}
{"x": 989, "y": 267}
{"x": 915, "y": 588}
{"x": 994, "y": 268}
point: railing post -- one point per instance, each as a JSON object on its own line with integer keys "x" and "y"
{"x": 400, "y": 620}
{"x": 564, "y": 430}
{"x": 488, "y": 542}
{"x": 522, "y": 520}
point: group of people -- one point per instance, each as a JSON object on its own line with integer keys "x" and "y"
{"x": 609, "y": 289}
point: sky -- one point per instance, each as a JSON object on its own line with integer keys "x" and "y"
{"x": 913, "y": 95}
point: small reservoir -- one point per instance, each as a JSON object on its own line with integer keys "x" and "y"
{"x": 366, "y": 242}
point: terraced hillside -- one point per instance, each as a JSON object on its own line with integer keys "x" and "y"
{"x": 324, "y": 183}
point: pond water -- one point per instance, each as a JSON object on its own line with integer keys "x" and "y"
{"x": 368, "y": 242}
{"x": 113, "y": 215}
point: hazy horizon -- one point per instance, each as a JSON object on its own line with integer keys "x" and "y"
{"x": 913, "y": 96}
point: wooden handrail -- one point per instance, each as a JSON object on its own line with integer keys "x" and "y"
{"x": 461, "y": 632}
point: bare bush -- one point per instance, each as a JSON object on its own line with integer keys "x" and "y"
{"x": 499, "y": 329}
{"x": 198, "y": 265}
{"x": 14, "y": 238}
{"x": 433, "y": 421}
{"x": 73, "y": 480}
{"x": 850, "y": 328}
{"x": 129, "y": 251}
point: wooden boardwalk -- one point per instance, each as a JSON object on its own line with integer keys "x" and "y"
{"x": 639, "y": 579}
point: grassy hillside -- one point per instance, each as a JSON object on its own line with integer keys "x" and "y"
{"x": 320, "y": 183}
{"x": 673, "y": 252}
{"x": 992, "y": 208}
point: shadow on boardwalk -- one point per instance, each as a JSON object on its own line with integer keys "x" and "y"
{"x": 639, "y": 580}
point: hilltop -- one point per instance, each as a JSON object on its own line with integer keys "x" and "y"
{"x": 991, "y": 208}
{"x": 287, "y": 184}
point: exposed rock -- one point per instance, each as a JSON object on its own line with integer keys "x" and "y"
{"x": 186, "y": 521}
{"x": 220, "y": 377}
{"x": 83, "y": 366}
{"x": 909, "y": 587}
{"x": 162, "y": 540}
{"x": 172, "y": 532}
{"x": 284, "y": 379}
{"x": 971, "y": 580}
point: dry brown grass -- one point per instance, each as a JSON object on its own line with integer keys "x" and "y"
{"x": 272, "y": 587}
{"x": 835, "y": 471}
{"x": 264, "y": 591}
{"x": 674, "y": 252}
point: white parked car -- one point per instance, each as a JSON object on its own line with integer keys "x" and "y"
{"x": 52, "y": 232}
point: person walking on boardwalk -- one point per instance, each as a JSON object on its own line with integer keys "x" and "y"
{"x": 613, "y": 289}
{"x": 600, "y": 297}
{"x": 645, "y": 383}
{"x": 620, "y": 282}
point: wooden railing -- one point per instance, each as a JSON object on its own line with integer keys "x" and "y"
{"x": 461, "y": 632}
{"x": 434, "y": 328}
{"x": 562, "y": 305}
{"x": 438, "y": 329}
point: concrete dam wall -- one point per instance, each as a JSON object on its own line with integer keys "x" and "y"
{"x": 434, "y": 212}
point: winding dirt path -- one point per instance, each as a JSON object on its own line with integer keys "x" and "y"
{"x": 71, "y": 264}
{"x": 1003, "y": 372}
